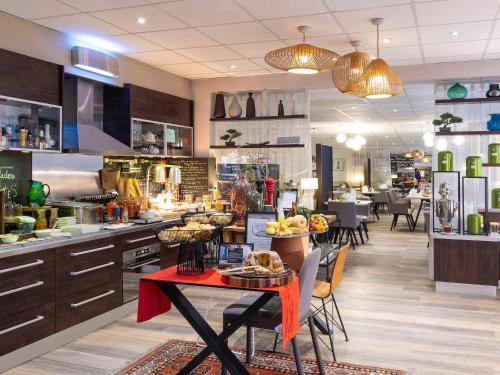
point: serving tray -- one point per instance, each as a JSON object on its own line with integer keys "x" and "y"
{"x": 259, "y": 281}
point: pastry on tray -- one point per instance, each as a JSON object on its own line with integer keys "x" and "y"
{"x": 268, "y": 262}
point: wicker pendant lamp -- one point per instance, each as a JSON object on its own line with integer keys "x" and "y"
{"x": 378, "y": 80}
{"x": 302, "y": 58}
{"x": 349, "y": 68}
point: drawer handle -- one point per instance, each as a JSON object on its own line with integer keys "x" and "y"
{"x": 37, "y": 263}
{"x": 20, "y": 289}
{"x": 141, "y": 239}
{"x": 139, "y": 265}
{"x": 37, "y": 319}
{"x": 76, "y": 273}
{"x": 92, "y": 250}
{"x": 108, "y": 293}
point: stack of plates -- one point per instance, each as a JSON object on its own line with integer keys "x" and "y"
{"x": 64, "y": 221}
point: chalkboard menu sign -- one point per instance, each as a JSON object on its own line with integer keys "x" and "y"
{"x": 15, "y": 172}
{"x": 197, "y": 175}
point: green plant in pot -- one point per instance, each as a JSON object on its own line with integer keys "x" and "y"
{"x": 230, "y": 136}
{"x": 445, "y": 120}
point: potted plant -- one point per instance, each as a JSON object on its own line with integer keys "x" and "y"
{"x": 230, "y": 136}
{"x": 446, "y": 119}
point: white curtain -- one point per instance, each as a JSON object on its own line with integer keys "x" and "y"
{"x": 355, "y": 176}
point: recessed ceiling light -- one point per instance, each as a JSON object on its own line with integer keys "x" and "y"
{"x": 141, "y": 20}
{"x": 387, "y": 40}
{"x": 232, "y": 66}
{"x": 353, "y": 107}
{"x": 394, "y": 110}
{"x": 454, "y": 33}
{"x": 387, "y": 136}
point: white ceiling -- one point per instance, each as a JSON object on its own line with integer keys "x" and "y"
{"x": 213, "y": 38}
{"x": 395, "y": 124}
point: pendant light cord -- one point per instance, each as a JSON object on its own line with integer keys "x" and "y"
{"x": 378, "y": 54}
{"x": 304, "y": 38}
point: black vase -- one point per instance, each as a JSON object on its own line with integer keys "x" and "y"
{"x": 250, "y": 106}
{"x": 281, "y": 109}
{"x": 220, "y": 108}
{"x": 493, "y": 91}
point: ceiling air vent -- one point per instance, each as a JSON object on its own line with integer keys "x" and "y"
{"x": 94, "y": 61}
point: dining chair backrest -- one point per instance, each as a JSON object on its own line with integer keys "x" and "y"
{"x": 307, "y": 278}
{"x": 346, "y": 213}
{"x": 391, "y": 200}
{"x": 363, "y": 209}
{"x": 338, "y": 268}
{"x": 380, "y": 196}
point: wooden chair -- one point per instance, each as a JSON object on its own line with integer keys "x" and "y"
{"x": 325, "y": 291}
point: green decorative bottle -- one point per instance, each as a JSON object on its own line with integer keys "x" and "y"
{"x": 457, "y": 91}
{"x": 473, "y": 165}
{"x": 494, "y": 153}
{"x": 445, "y": 161}
{"x": 495, "y": 198}
{"x": 475, "y": 224}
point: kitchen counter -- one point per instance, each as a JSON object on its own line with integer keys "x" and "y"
{"x": 11, "y": 250}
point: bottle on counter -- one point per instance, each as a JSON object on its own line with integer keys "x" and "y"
{"x": 125, "y": 215}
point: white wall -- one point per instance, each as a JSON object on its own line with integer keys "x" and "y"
{"x": 30, "y": 39}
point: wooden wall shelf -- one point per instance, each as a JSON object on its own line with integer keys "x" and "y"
{"x": 491, "y": 165}
{"x": 468, "y": 100}
{"x": 472, "y": 132}
{"x": 257, "y": 118}
{"x": 255, "y": 146}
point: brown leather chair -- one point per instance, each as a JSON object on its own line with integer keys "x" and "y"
{"x": 325, "y": 291}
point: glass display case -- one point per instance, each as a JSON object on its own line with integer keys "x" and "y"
{"x": 150, "y": 138}
{"x": 28, "y": 125}
{"x": 179, "y": 140}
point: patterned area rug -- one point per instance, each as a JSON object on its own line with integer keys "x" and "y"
{"x": 172, "y": 356}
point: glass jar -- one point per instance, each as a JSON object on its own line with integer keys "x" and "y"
{"x": 239, "y": 192}
{"x": 254, "y": 200}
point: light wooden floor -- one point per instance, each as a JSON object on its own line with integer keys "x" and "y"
{"x": 392, "y": 314}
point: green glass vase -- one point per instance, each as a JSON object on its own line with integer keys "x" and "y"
{"x": 457, "y": 91}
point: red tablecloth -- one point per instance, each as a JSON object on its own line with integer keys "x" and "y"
{"x": 153, "y": 302}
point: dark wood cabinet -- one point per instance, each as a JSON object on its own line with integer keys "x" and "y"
{"x": 27, "y": 284}
{"x": 138, "y": 239}
{"x": 467, "y": 262}
{"x": 88, "y": 281}
{"x": 25, "y": 77}
{"x": 121, "y": 104}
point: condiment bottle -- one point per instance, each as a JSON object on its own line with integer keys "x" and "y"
{"x": 125, "y": 215}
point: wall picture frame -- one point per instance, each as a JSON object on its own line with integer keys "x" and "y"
{"x": 338, "y": 164}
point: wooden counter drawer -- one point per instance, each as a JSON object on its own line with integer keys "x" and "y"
{"x": 26, "y": 292}
{"x": 82, "y": 276}
{"x": 101, "y": 248}
{"x": 87, "y": 304}
{"x": 25, "y": 327}
{"x": 26, "y": 264}
{"x": 138, "y": 239}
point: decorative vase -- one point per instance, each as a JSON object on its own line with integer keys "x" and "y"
{"x": 239, "y": 193}
{"x": 250, "y": 111}
{"x": 493, "y": 91}
{"x": 235, "y": 108}
{"x": 53, "y": 217}
{"x": 457, "y": 91}
{"x": 220, "y": 108}
{"x": 281, "y": 109}
{"x": 494, "y": 123}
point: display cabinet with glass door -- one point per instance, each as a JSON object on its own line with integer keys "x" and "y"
{"x": 179, "y": 140}
{"x": 148, "y": 137}
{"x": 28, "y": 125}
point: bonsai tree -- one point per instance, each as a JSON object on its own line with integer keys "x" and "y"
{"x": 447, "y": 119}
{"x": 230, "y": 136}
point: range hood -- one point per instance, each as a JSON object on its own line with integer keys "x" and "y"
{"x": 82, "y": 119}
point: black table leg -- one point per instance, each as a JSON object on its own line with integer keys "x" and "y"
{"x": 215, "y": 343}
{"x": 418, "y": 213}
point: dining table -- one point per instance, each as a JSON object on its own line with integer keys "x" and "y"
{"x": 422, "y": 201}
{"x": 160, "y": 290}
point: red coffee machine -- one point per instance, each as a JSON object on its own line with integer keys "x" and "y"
{"x": 270, "y": 190}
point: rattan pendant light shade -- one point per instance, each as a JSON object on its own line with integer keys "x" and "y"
{"x": 378, "y": 80}
{"x": 302, "y": 58}
{"x": 349, "y": 68}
